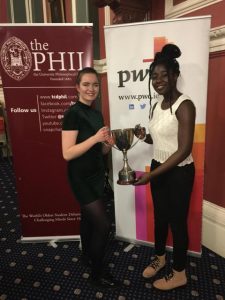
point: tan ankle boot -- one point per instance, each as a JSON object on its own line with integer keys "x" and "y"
{"x": 172, "y": 281}
{"x": 157, "y": 264}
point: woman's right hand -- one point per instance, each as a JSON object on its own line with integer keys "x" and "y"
{"x": 143, "y": 179}
{"x": 140, "y": 132}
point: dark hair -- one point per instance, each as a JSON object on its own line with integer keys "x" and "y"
{"x": 86, "y": 70}
{"x": 167, "y": 57}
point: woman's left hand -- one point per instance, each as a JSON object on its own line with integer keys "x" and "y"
{"x": 143, "y": 179}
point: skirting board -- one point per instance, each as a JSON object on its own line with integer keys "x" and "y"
{"x": 213, "y": 228}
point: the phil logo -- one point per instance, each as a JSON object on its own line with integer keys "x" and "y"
{"x": 16, "y": 58}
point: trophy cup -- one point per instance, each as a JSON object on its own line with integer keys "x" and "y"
{"x": 123, "y": 142}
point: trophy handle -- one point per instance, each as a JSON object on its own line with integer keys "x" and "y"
{"x": 138, "y": 139}
{"x": 135, "y": 143}
{"x": 113, "y": 146}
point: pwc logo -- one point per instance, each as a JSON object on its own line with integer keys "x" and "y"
{"x": 125, "y": 76}
{"x": 16, "y": 58}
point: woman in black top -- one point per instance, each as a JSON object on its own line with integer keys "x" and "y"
{"x": 84, "y": 141}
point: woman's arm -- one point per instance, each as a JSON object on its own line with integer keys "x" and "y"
{"x": 186, "y": 125}
{"x": 71, "y": 150}
{"x": 106, "y": 148}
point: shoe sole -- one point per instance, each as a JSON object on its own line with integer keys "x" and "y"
{"x": 180, "y": 287}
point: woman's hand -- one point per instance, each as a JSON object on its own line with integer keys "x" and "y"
{"x": 140, "y": 132}
{"x": 143, "y": 179}
{"x": 102, "y": 135}
{"x": 110, "y": 141}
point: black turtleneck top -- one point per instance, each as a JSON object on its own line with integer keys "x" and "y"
{"x": 86, "y": 172}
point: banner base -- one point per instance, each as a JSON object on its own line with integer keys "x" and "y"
{"x": 51, "y": 239}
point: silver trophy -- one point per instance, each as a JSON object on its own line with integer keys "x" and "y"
{"x": 123, "y": 139}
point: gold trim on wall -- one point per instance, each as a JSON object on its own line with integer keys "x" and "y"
{"x": 63, "y": 11}
{"x": 28, "y": 7}
{"x": 45, "y": 19}
{"x": 74, "y": 12}
{"x": 12, "y": 11}
{"x": 107, "y": 12}
{"x": 49, "y": 16}
{"x": 186, "y": 7}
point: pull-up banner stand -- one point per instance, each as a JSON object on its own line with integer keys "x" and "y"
{"x": 130, "y": 49}
{"x": 38, "y": 66}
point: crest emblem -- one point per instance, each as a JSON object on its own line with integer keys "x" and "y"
{"x": 16, "y": 58}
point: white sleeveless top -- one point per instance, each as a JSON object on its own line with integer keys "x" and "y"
{"x": 163, "y": 128}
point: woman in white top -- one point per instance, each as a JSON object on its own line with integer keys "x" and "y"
{"x": 171, "y": 127}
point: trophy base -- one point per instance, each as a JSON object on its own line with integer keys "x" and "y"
{"x": 122, "y": 182}
{"x": 126, "y": 178}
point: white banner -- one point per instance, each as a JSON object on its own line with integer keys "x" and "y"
{"x": 130, "y": 49}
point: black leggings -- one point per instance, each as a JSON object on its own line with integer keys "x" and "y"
{"x": 94, "y": 232}
{"x": 171, "y": 193}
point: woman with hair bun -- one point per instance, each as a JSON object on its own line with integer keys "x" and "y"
{"x": 171, "y": 127}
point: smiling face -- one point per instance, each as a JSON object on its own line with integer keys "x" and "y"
{"x": 88, "y": 88}
{"x": 163, "y": 81}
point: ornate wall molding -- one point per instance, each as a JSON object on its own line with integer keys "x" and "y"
{"x": 186, "y": 7}
{"x": 100, "y": 66}
{"x": 126, "y": 11}
{"x": 217, "y": 39}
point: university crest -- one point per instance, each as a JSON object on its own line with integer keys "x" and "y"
{"x": 16, "y": 58}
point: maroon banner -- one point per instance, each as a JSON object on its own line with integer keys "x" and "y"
{"x": 38, "y": 68}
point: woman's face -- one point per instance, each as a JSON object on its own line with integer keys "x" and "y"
{"x": 163, "y": 81}
{"x": 88, "y": 88}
